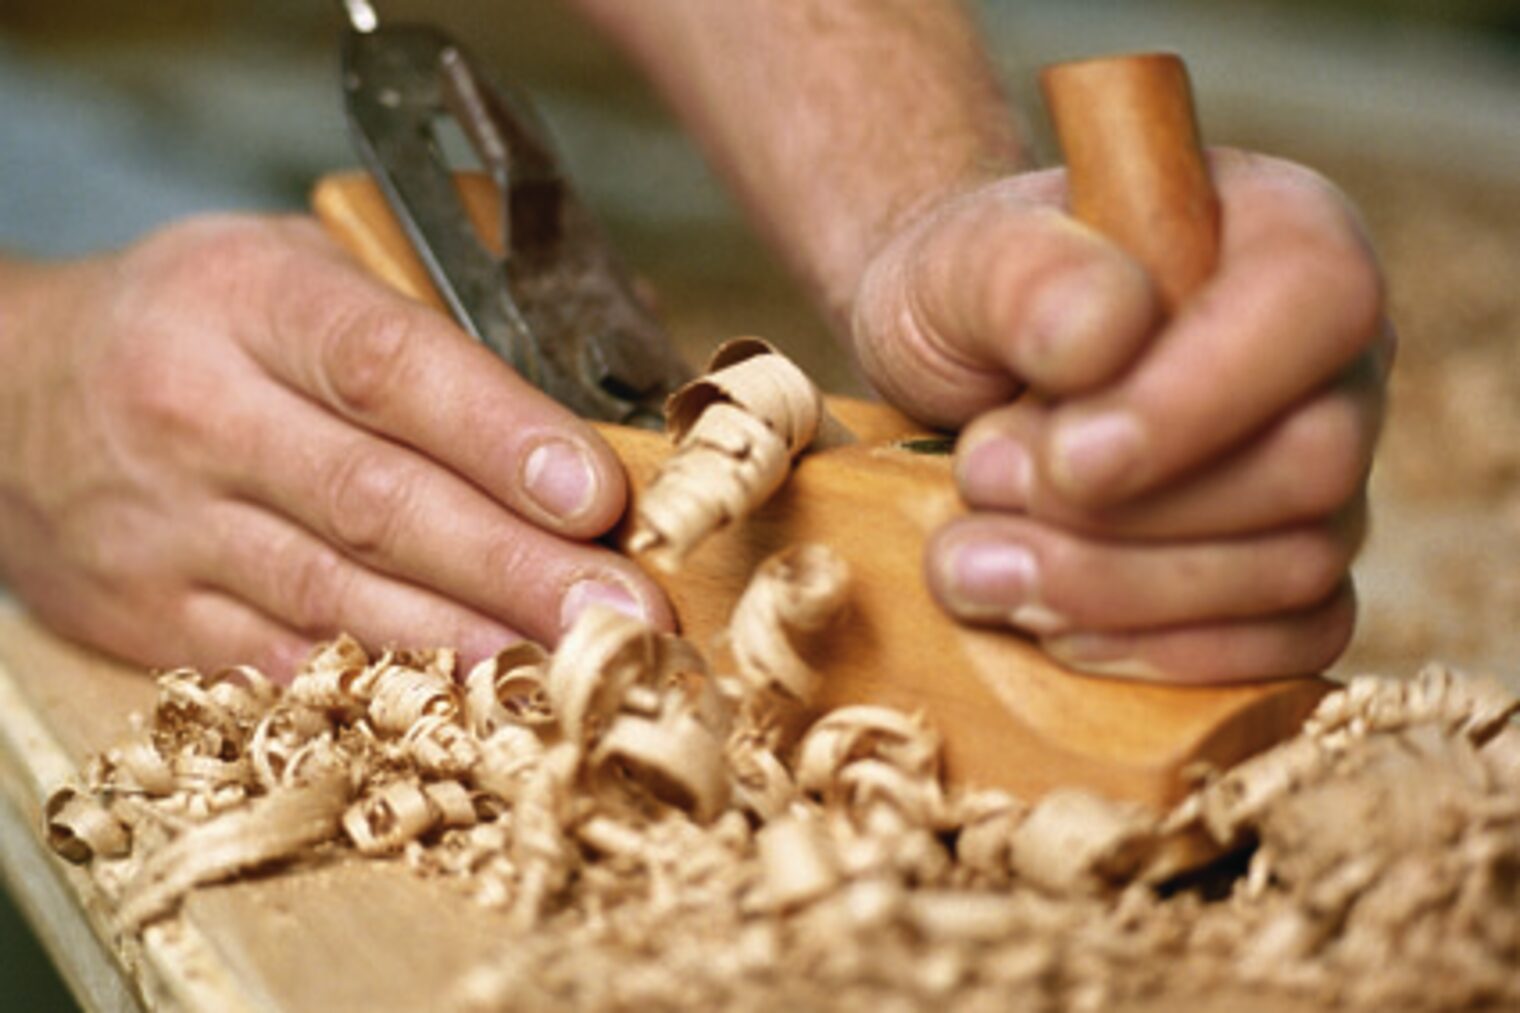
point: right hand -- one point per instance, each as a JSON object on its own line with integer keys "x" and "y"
{"x": 229, "y": 441}
{"x": 1185, "y": 501}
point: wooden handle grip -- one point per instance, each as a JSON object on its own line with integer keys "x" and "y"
{"x": 1135, "y": 167}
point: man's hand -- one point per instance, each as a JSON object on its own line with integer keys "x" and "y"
{"x": 229, "y": 441}
{"x": 1182, "y": 499}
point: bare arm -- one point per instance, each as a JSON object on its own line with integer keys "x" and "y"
{"x": 835, "y": 121}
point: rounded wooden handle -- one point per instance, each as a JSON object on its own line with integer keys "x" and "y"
{"x": 1136, "y": 169}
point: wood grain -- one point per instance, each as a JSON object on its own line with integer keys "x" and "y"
{"x": 1011, "y": 716}
{"x": 1135, "y": 166}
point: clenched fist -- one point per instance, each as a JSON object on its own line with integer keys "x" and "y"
{"x": 1182, "y": 499}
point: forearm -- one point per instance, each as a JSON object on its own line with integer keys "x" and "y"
{"x": 835, "y": 121}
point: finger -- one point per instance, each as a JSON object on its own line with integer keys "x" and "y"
{"x": 276, "y": 567}
{"x": 1008, "y": 570}
{"x": 162, "y": 624}
{"x": 996, "y": 290}
{"x": 402, "y": 515}
{"x": 400, "y": 369}
{"x": 213, "y": 630}
{"x": 1307, "y": 466}
{"x": 1300, "y": 643}
{"x": 1296, "y": 300}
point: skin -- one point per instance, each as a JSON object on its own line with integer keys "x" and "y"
{"x": 227, "y": 441}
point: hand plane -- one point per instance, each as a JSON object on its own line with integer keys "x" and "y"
{"x": 515, "y": 258}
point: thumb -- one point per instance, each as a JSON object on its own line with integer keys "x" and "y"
{"x": 991, "y": 292}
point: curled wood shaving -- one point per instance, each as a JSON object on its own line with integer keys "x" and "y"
{"x": 1475, "y": 707}
{"x": 508, "y": 689}
{"x": 798, "y": 591}
{"x": 1077, "y": 842}
{"x": 674, "y": 758}
{"x": 402, "y": 811}
{"x": 78, "y": 827}
{"x": 603, "y": 656}
{"x": 270, "y": 829}
{"x": 863, "y": 732}
{"x": 987, "y": 820}
{"x": 798, "y": 861}
{"x": 737, "y": 430}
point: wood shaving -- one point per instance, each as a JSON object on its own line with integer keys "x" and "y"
{"x": 737, "y": 430}
{"x": 78, "y": 826}
{"x": 796, "y": 592}
{"x": 651, "y": 842}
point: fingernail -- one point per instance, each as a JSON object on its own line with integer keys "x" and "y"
{"x": 560, "y": 478}
{"x": 608, "y": 592}
{"x": 989, "y": 579}
{"x": 997, "y": 472}
{"x": 1097, "y": 654}
{"x": 1098, "y": 455}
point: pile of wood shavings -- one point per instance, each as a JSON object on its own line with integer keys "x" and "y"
{"x": 640, "y": 815}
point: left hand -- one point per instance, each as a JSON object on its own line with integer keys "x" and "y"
{"x": 1184, "y": 500}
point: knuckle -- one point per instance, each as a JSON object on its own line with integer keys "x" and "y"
{"x": 1332, "y": 627}
{"x": 1311, "y": 568}
{"x": 1357, "y": 283}
{"x": 210, "y": 252}
{"x": 513, "y": 561}
{"x": 154, "y": 399}
{"x": 1327, "y": 447}
{"x": 281, "y": 657}
{"x": 312, "y": 584}
{"x": 368, "y": 496}
{"x": 364, "y": 356}
{"x": 1322, "y": 246}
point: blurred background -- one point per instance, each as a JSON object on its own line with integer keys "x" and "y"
{"x": 116, "y": 118}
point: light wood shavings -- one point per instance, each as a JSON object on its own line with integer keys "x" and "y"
{"x": 79, "y": 827}
{"x": 402, "y": 811}
{"x": 1474, "y": 707}
{"x": 736, "y": 429}
{"x": 651, "y": 843}
{"x": 798, "y": 861}
{"x": 275, "y": 827}
{"x": 508, "y": 689}
{"x": 1077, "y": 842}
{"x": 798, "y": 591}
{"x": 673, "y": 757}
